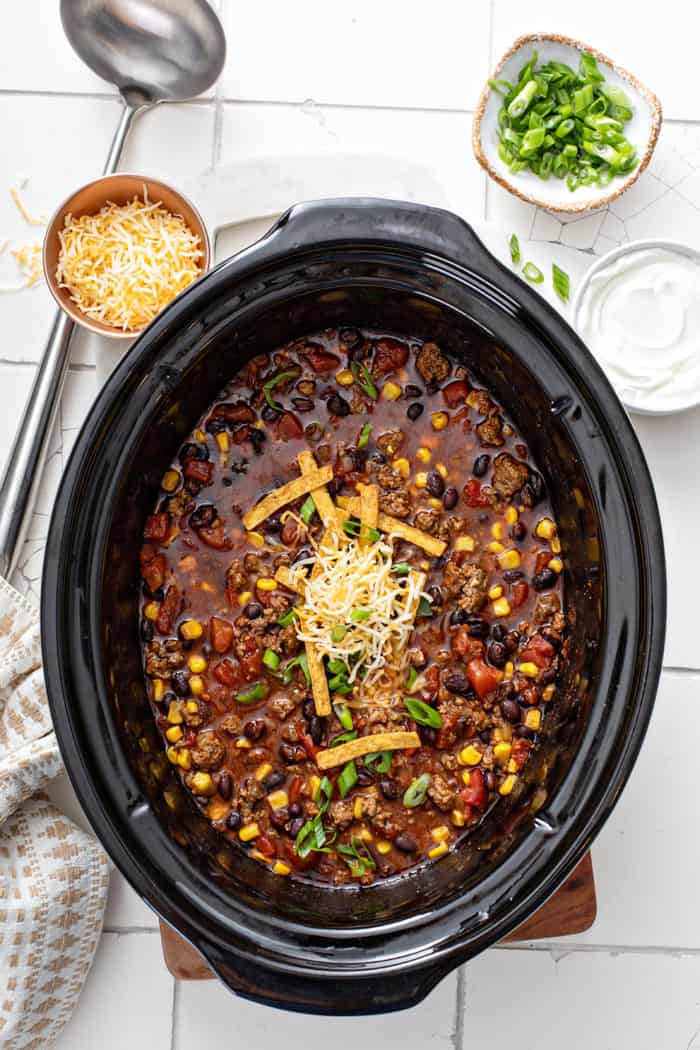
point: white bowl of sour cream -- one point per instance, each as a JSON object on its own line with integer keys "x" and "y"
{"x": 638, "y": 311}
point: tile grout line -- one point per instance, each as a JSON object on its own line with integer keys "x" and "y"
{"x": 173, "y": 1015}
{"x": 460, "y": 1006}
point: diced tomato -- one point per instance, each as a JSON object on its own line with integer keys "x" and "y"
{"x": 290, "y": 532}
{"x": 265, "y": 846}
{"x": 239, "y": 412}
{"x": 542, "y": 561}
{"x": 475, "y": 794}
{"x": 226, "y": 673}
{"x": 157, "y": 527}
{"x": 198, "y": 470}
{"x": 153, "y": 572}
{"x": 538, "y": 651}
{"x": 221, "y": 632}
{"x": 215, "y": 536}
{"x": 289, "y": 427}
{"x": 455, "y": 392}
{"x": 483, "y": 678}
{"x": 251, "y": 659}
{"x": 472, "y": 494}
{"x": 520, "y": 751}
{"x": 465, "y": 646}
{"x": 389, "y": 355}
{"x": 294, "y": 789}
{"x": 447, "y": 733}
{"x": 431, "y": 679}
{"x": 322, "y": 360}
{"x": 147, "y": 552}
{"x": 241, "y": 435}
{"x": 169, "y": 609}
{"x": 520, "y": 593}
{"x": 305, "y": 740}
{"x": 531, "y": 694}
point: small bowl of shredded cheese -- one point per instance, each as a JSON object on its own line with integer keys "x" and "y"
{"x": 120, "y": 249}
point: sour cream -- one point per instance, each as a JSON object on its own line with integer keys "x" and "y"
{"x": 640, "y": 316}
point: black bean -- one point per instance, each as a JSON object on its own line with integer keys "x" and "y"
{"x": 255, "y": 728}
{"x": 316, "y": 728}
{"x": 497, "y": 654}
{"x": 335, "y": 486}
{"x": 201, "y": 800}
{"x": 157, "y": 595}
{"x": 350, "y": 337}
{"x": 180, "y": 682}
{"x": 406, "y": 842}
{"x": 234, "y": 820}
{"x": 296, "y": 826}
{"x": 147, "y": 630}
{"x": 518, "y": 531}
{"x": 295, "y": 809}
{"x": 289, "y": 753}
{"x": 512, "y": 641}
{"x": 428, "y": 735}
{"x": 512, "y": 575}
{"x": 389, "y": 788}
{"x": 459, "y": 616}
{"x": 551, "y": 636}
{"x": 481, "y": 465}
{"x": 167, "y": 699}
{"x": 303, "y": 404}
{"x": 435, "y": 594}
{"x": 449, "y": 500}
{"x": 191, "y": 451}
{"x": 478, "y": 627}
{"x": 253, "y": 610}
{"x": 542, "y": 581}
{"x": 485, "y": 736}
{"x": 510, "y": 709}
{"x": 338, "y": 406}
{"x": 458, "y": 683}
{"x": 524, "y": 732}
{"x": 415, "y": 410}
{"x": 273, "y": 523}
{"x": 215, "y": 425}
{"x": 498, "y": 632}
{"x": 225, "y": 786}
{"x": 308, "y": 708}
{"x": 279, "y": 818}
{"x": 536, "y": 486}
{"x": 273, "y": 780}
{"x": 377, "y": 456}
{"x": 270, "y": 414}
{"x": 364, "y": 777}
{"x": 411, "y": 390}
{"x": 489, "y": 780}
{"x": 435, "y": 483}
{"x": 301, "y": 554}
{"x": 227, "y": 482}
{"x": 257, "y": 439}
{"x": 439, "y": 563}
{"x": 203, "y": 516}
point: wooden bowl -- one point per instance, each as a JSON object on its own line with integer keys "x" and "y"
{"x": 119, "y": 189}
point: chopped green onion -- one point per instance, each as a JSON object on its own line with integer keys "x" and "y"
{"x": 561, "y": 282}
{"x": 357, "y": 857}
{"x": 379, "y": 761}
{"x": 522, "y": 100}
{"x": 533, "y": 273}
{"x": 423, "y": 713}
{"x": 514, "y": 249}
{"x": 286, "y": 618}
{"x": 412, "y": 679}
{"x": 271, "y": 659}
{"x": 275, "y": 381}
{"x": 343, "y": 738}
{"x": 308, "y": 509}
{"x": 364, "y": 380}
{"x": 257, "y": 692}
{"x": 344, "y": 715}
{"x": 338, "y": 632}
{"x": 337, "y": 666}
{"x": 298, "y": 661}
{"x": 354, "y": 528}
{"x": 313, "y": 837}
{"x": 401, "y": 568}
{"x": 416, "y": 791}
{"x": 360, "y": 615}
{"x": 347, "y": 778}
{"x": 503, "y": 87}
{"x": 425, "y": 607}
{"x": 324, "y": 794}
{"x": 363, "y": 439}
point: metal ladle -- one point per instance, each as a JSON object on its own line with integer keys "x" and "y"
{"x": 153, "y": 51}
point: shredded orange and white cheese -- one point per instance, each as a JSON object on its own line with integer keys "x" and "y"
{"x": 125, "y": 264}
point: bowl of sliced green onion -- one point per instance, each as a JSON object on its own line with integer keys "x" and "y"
{"x": 562, "y": 126}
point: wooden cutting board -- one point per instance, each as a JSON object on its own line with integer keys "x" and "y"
{"x": 571, "y": 910}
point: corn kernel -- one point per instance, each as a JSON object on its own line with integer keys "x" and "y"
{"x": 184, "y": 758}
{"x": 403, "y": 467}
{"x": 314, "y": 784}
{"x": 555, "y": 545}
{"x": 196, "y": 685}
{"x": 158, "y": 689}
{"x": 391, "y": 390}
{"x": 465, "y": 543}
{"x": 222, "y": 441}
{"x": 192, "y": 706}
{"x": 249, "y": 832}
{"x": 173, "y": 734}
{"x": 257, "y": 854}
{"x": 457, "y": 818}
{"x": 504, "y": 732}
{"x": 151, "y": 610}
{"x": 175, "y": 714}
{"x": 197, "y": 664}
{"x": 435, "y": 503}
{"x": 495, "y": 547}
{"x": 421, "y": 479}
{"x": 512, "y": 766}
{"x": 473, "y": 398}
{"x": 263, "y": 769}
{"x": 507, "y": 785}
{"x": 548, "y": 692}
{"x": 578, "y": 496}
{"x": 441, "y": 469}
{"x": 365, "y": 834}
{"x": 202, "y": 784}
{"x": 497, "y": 530}
{"x": 191, "y": 630}
{"x": 187, "y": 564}
{"x": 509, "y": 559}
{"x": 439, "y": 420}
{"x": 470, "y": 756}
{"x": 556, "y": 564}
{"x": 343, "y": 502}
{"x": 217, "y": 809}
{"x": 511, "y": 516}
{"x": 266, "y": 583}
{"x": 533, "y": 719}
{"x": 538, "y": 800}
{"x": 501, "y": 607}
{"x": 170, "y": 799}
{"x": 466, "y": 778}
{"x": 383, "y": 847}
{"x": 424, "y": 454}
{"x": 243, "y": 743}
{"x": 199, "y": 435}
{"x": 344, "y": 377}
{"x": 529, "y": 669}
{"x": 438, "y": 851}
{"x": 280, "y": 868}
{"x": 545, "y": 528}
{"x": 495, "y": 592}
{"x": 425, "y": 565}
{"x": 440, "y": 833}
{"x": 255, "y": 538}
{"x": 278, "y": 799}
{"x": 172, "y": 754}
{"x": 170, "y": 481}
{"x": 357, "y": 808}
{"x": 244, "y": 597}
{"x": 501, "y": 752}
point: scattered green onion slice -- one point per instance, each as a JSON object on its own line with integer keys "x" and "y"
{"x": 364, "y": 380}
{"x": 514, "y": 249}
{"x": 275, "y": 381}
{"x": 257, "y": 692}
{"x": 353, "y": 528}
{"x": 363, "y": 439}
{"x": 360, "y": 615}
{"x": 416, "y": 791}
{"x": 412, "y": 679}
{"x": 533, "y": 273}
{"x": 286, "y": 618}
{"x": 343, "y": 738}
{"x": 298, "y": 661}
{"x": 425, "y": 607}
{"x": 561, "y": 282}
{"x": 423, "y": 713}
{"x": 271, "y": 659}
{"x": 324, "y": 793}
{"x": 313, "y": 836}
{"x": 338, "y": 632}
{"x": 344, "y": 715}
{"x": 337, "y": 666}
{"x": 308, "y": 509}
{"x": 401, "y": 568}
{"x": 357, "y": 857}
{"x": 347, "y": 778}
{"x": 379, "y": 761}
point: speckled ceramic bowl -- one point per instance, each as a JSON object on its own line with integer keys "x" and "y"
{"x": 554, "y": 194}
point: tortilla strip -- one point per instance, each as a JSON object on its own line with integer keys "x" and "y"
{"x": 323, "y": 501}
{"x": 291, "y": 580}
{"x": 419, "y": 578}
{"x": 319, "y": 682}
{"x": 366, "y": 745}
{"x": 399, "y": 528}
{"x": 286, "y": 494}
{"x": 369, "y": 512}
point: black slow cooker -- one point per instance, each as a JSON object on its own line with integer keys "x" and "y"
{"x": 408, "y": 269}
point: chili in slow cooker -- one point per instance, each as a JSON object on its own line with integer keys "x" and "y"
{"x": 349, "y": 683}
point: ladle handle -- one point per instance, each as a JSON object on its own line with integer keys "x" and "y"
{"x": 19, "y": 486}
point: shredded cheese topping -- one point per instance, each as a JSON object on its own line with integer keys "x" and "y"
{"x": 33, "y": 220}
{"x": 125, "y": 264}
{"x": 27, "y": 256}
{"x": 348, "y": 577}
